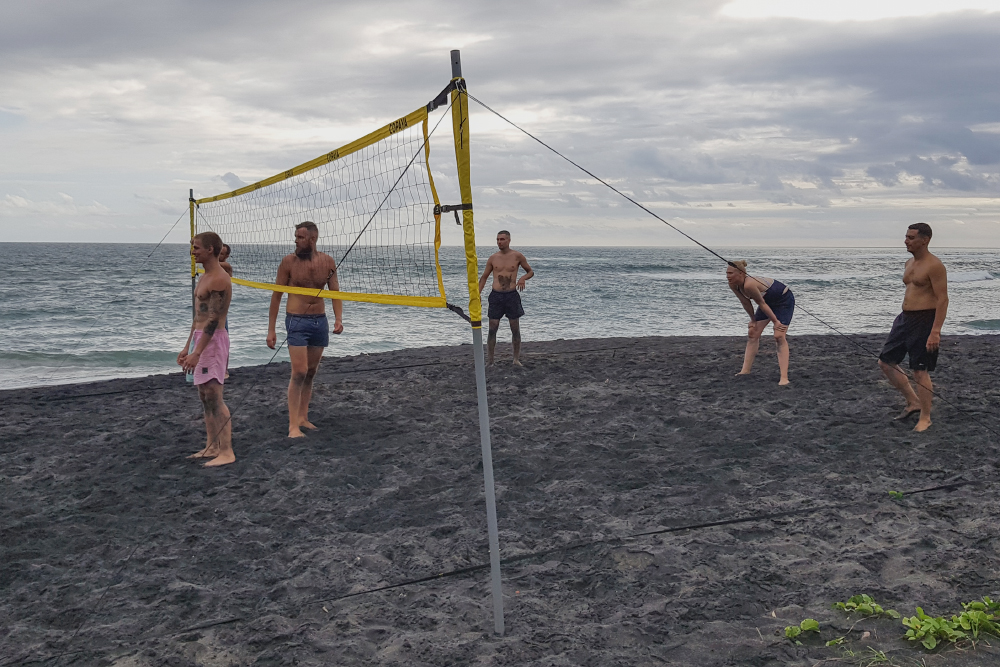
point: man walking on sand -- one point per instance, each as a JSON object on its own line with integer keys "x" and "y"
{"x": 210, "y": 355}
{"x": 305, "y": 319}
{"x": 917, "y": 330}
{"x": 504, "y": 299}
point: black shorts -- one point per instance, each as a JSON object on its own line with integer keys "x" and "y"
{"x": 505, "y": 303}
{"x": 909, "y": 337}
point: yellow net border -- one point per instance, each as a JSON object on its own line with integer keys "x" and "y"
{"x": 398, "y": 125}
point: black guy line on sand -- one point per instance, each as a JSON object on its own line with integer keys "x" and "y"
{"x": 114, "y": 580}
{"x": 600, "y": 180}
{"x": 574, "y": 546}
{"x": 462, "y": 571}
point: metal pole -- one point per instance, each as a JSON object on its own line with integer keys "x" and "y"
{"x": 189, "y": 376}
{"x": 491, "y": 499}
{"x": 194, "y": 267}
{"x": 460, "y": 122}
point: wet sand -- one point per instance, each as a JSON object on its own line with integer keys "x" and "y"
{"x": 116, "y": 550}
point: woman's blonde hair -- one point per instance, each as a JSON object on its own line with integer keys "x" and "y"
{"x": 740, "y": 264}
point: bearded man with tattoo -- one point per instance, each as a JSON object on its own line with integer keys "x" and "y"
{"x": 210, "y": 355}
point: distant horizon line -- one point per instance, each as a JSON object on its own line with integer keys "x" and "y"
{"x": 605, "y": 245}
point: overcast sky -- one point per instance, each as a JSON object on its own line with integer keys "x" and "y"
{"x": 751, "y": 122}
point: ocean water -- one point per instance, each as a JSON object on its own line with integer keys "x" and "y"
{"x": 80, "y": 312}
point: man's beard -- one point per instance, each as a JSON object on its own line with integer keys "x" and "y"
{"x": 304, "y": 253}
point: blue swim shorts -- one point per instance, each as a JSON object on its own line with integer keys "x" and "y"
{"x": 307, "y": 330}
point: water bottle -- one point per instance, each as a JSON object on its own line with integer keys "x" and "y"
{"x": 189, "y": 376}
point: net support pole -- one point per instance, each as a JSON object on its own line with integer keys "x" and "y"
{"x": 460, "y": 125}
{"x": 194, "y": 265}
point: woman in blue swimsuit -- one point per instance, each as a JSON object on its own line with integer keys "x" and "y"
{"x": 775, "y": 304}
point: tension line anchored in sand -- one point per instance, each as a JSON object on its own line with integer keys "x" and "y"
{"x": 954, "y": 483}
{"x": 603, "y": 182}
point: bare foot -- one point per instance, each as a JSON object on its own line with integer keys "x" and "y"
{"x": 907, "y": 411}
{"x": 922, "y": 425}
{"x": 742, "y": 373}
{"x": 200, "y": 455}
{"x": 294, "y": 432}
{"x": 518, "y": 363}
{"x": 308, "y": 424}
{"x": 221, "y": 460}
{"x": 783, "y": 382}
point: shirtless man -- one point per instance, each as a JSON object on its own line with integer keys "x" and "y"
{"x": 504, "y": 299}
{"x": 211, "y": 348}
{"x": 305, "y": 319}
{"x": 917, "y": 330}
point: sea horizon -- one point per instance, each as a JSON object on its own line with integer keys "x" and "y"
{"x": 80, "y": 321}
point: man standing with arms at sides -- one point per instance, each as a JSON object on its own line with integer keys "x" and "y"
{"x": 305, "y": 319}
{"x": 211, "y": 348}
{"x": 917, "y": 330}
{"x": 504, "y": 299}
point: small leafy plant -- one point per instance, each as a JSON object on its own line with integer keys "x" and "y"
{"x": 792, "y": 632}
{"x": 865, "y": 604}
{"x": 932, "y": 630}
{"x": 896, "y": 495}
{"x": 978, "y": 617}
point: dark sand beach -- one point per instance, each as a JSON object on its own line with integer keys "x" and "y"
{"x": 116, "y": 550}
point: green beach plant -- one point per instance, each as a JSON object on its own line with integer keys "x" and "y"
{"x": 866, "y": 605}
{"x": 977, "y": 618}
{"x": 792, "y": 632}
{"x": 932, "y": 630}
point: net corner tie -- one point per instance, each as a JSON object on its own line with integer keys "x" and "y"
{"x": 455, "y": 208}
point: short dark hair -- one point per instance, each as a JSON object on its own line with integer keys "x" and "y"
{"x": 310, "y": 225}
{"x": 209, "y": 239}
{"x": 923, "y": 229}
{"x": 503, "y": 231}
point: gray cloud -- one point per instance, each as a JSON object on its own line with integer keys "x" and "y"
{"x": 232, "y": 181}
{"x": 667, "y": 100}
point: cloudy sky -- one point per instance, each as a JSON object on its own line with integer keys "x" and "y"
{"x": 746, "y": 122}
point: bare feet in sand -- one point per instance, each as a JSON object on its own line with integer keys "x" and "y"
{"x": 742, "y": 373}
{"x": 207, "y": 453}
{"x": 294, "y": 432}
{"x": 783, "y": 382}
{"x": 518, "y": 363}
{"x": 922, "y": 425}
{"x": 907, "y": 411}
{"x": 308, "y": 424}
{"x": 221, "y": 460}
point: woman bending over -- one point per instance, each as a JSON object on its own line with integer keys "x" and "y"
{"x": 775, "y": 304}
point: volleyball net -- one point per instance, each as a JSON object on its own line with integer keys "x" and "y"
{"x": 376, "y": 208}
